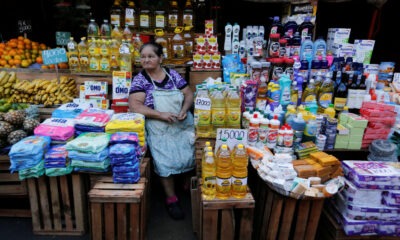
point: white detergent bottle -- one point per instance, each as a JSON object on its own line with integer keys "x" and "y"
{"x": 228, "y": 38}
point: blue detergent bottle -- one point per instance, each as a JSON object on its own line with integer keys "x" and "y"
{"x": 319, "y": 47}
{"x": 307, "y": 50}
{"x": 284, "y": 83}
{"x": 298, "y": 125}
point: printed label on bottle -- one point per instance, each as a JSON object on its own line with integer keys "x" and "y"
{"x": 325, "y": 99}
{"x": 252, "y": 136}
{"x": 188, "y": 19}
{"x": 204, "y": 118}
{"x": 294, "y": 98}
{"x": 178, "y": 50}
{"x": 309, "y": 99}
{"x": 84, "y": 60}
{"x": 272, "y": 136}
{"x": 233, "y": 116}
{"x": 172, "y": 20}
{"x": 129, "y": 17}
{"x": 144, "y": 21}
{"x": 285, "y": 96}
{"x": 218, "y": 117}
{"x": 274, "y": 29}
{"x": 276, "y": 72}
{"x": 224, "y": 184}
{"x": 340, "y": 103}
{"x": 73, "y": 61}
{"x": 160, "y": 21}
{"x": 115, "y": 19}
{"x": 297, "y": 137}
{"x": 239, "y": 184}
{"x": 94, "y": 65}
{"x": 262, "y": 135}
{"x": 274, "y": 49}
{"x": 104, "y": 65}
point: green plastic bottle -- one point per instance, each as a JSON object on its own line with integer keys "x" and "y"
{"x": 325, "y": 94}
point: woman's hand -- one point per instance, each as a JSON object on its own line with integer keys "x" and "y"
{"x": 182, "y": 115}
{"x": 168, "y": 117}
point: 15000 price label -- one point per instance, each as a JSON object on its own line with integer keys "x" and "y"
{"x": 233, "y": 136}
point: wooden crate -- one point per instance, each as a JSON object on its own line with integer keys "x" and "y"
{"x": 199, "y": 148}
{"x": 118, "y": 211}
{"x": 330, "y": 229}
{"x": 58, "y": 205}
{"x": 10, "y": 185}
{"x": 282, "y": 217}
{"x": 198, "y": 76}
{"x": 222, "y": 219}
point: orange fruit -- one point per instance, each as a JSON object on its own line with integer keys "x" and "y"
{"x": 43, "y": 46}
{"x": 11, "y": 62}
{"x": 12, "y": 53}
{"x": 44, "y": 67}
{"x": 21, "y": 38}
{"x": 17, "y": 57}
{"x": 27, "y": 41}
{"x": 12, "y": 44}
{"x": 25, "y": 63}
{"x": 20, "y": 46}
{"x": 28, "y": 46}
{"x": 52, "y": 66}
{"x": 3, "y": 62}
{"x": 63, "y": 65}
{"x": 17, "y": 62}
{"x": 39, "y": 60}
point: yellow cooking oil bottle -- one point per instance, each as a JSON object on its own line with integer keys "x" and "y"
{"x": 224, "y": 172}
{"x": 239, "y": 171}
{"x": 125, "y": 60}
{"x": 73, "y": 55}
{"x": 137, "y": 44}
{"x": 178, "y": 47}
{"x": 233, "y": 108}
{"x": 218, "y": 111}
{"x": 94, "y": 53}
{"x": 83, "y": 55}
{"x": 202, "y": 113}
{"x": 208, "y": 175}
{"x": 163, "y": 41}
{"x": 114, "y": 55}
{"x": 105, "y": 56}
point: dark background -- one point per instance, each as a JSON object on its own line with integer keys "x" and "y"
{"x": 49, "y": 16}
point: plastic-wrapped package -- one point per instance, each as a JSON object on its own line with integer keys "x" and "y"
{"x": 89, "y": 142}
{"x": 124, "y": 137}
{"x": 94, "y": 117}
{"x": 34, "y": 171}
{"x": 122, "y": 150}
{"x": 30, "y": 146}
{"x": 382, "y": 150}
{"x": 54, "y": 172}
{"x": 102, "y": 165}
{"x": 69, "y": 110}
{"x": 90, "y": 157}
{"x": 57, "y": 128}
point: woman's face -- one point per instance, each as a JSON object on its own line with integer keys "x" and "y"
{"x": 149, "y": 59}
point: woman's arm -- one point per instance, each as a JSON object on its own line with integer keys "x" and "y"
{"x": 187, "y": 102}
{"x": 136, "y": 104}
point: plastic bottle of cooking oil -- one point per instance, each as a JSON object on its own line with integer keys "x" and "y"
{"x": 163, "y": 41}
{"x": 173, "y": 16}
{"x": 208, "y": 175}
{"x": 233, "y": 104}
{"x": 202, "y": 113}
{"x": 178, "y": 46}
{"x": 94, "y": 52}
{"x": 217, "y": 111}
{"x": 125, "y": 62}
{"x": 105, "y": 56}
{"x": 114, "y": 55}
{"x": 83, "y": 55}
{"x": 137, "y": 43}
{"x": 117, "y": 33}
{"x": 239, "y": 171}
{"x": 224, "y": 173}
{"x": 73, "y": 55}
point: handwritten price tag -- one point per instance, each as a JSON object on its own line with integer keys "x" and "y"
{"x": 202, "y": 103}
{"x": 24, "y": 26}
{"x": 233, "y": 136}
{"x": 62, "y": 38}
{"x": 54, "y": 56}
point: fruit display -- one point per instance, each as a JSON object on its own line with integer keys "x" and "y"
{"x": 21, "y": 52}
{"x": 37, "y": 91}
{"x": 12, "y": 124}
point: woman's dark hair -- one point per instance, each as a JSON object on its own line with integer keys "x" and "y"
{"x": 157, "y": 48}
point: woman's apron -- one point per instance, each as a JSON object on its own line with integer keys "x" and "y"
{"x": 171, "y": 144}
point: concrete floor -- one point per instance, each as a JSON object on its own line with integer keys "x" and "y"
{"x": 160, "y": 225}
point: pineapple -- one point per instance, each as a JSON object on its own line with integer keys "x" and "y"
{"x": 5, "y": 129}
{"x": 30, "y": 124}
{"x": 15, "y": 118}
{"x": 16, "y": 136}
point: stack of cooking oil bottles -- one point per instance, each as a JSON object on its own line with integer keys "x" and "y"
{"x": 219, "y": 108}
{"x": 225, "y": 175}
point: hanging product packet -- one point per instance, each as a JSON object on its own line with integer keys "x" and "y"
{"x": 94, "y": 117}
{"x": 70, "y": 110}
{"x": 60, "y": 129}
{"x": 89, "y": 142}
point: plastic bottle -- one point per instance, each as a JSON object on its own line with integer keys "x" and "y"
{"x": 105, "y": 30}
{"x": 137, "y": 43}
{"x": 173, "y": 16}
{"x": 239, "y": 172}
{"x": 224, "y": 173}
{"x": 282, "y": 47}
{"x": 289, "y": 67}
{"x": 304, "y": 72}
{"x": 163, "y": 41}
{"x": 117, "y": 14}
{"x": 73, "y": 55}
{"x": 341, "y": 93}
{"x": 254, "y": 125}
{"x": 290, "y": 27}
{"x": 273, "y": 132}
{"x": 131, "y": 16}
{"x": 202, "y": 113}
{"x": 145, "y": 19}
{"x": 189, "y": 42}
{"x": 281, "y": 134}
{"x": 307, "y": 50}
{"x": 178, "y": 46}
{"x": 127, "y": 33}
{"x": 273, "y": 45}
{"x": 319, "y": 47}
{"x": 160, "y": 20}
{"x": 187, "y": 14}
{"x": 330, "y": 111}
{"x": 288, "y": 137}
{"x": 83, "y": 55}
{"x": 309, "y": 93}
{"x": 306, "y": 28}
{"x": 208, "y": 175}
{"x": 217, "y": 111}
{"x": 295, "y": 44}
{"x": 263, "y": 129}
{"x": 294, "y": 93}
{"x": 325, "y": 94}
{"x": 94, "y": 53}
{"x": 125, "y": 63}
{"x": 276, "y": 26}
{"x": 298, "y": 126}
{"x": 117, "y": 34}
{"x": 233, "y": 112}
{"x": 105, "y": 56}
{"x": 92, "y": 29}
{"x": 310, "y": 132}
{"x": 114, "y": 55}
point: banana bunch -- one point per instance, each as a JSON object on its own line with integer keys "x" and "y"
{"x": 7, "y": 81}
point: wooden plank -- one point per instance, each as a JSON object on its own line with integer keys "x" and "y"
{"x": 8, "y": 177}
{"x": 246, "y": 202}
{"x": 97, "y": 221}
{"x": 195, "y": 203}
{"x": 44, "y": 203}
{"x": 273, "y": 225}
{"x": 21, "y": 213}
{"x": 141, "y": 215}
{"x": 13, "y": 190}
{"x": 227, "y": 224}
{"x": 55, "y": 203}
{"x": 66, "y": 205}
{"x": 210, "y": 224}
{"x": 109, "y": 220}
{"x": 79, "y": 202}
{"x": 117, "y": 196}
{"x": 261, "y": 191}
{"x": 313, "y": 220}
{"x": 287, "y": 218}
{"x": 121, "y": 221}
{"x": 246, "y": 224}
{"x": 136, "y": 230}
{"x": 117, "y": 186}
{"x": 267, "y": 213}
{"x": 302, "y": 217}
{"x": 34, "y": 203}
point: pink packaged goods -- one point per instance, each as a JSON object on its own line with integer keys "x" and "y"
{"x": 372, "y": 175}
{"x": 59, "y": 129}
{"x": 94, "y": 117}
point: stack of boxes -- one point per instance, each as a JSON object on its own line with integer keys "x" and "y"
{"x": 381, "y": 118}
{"x": 350, "y": 131}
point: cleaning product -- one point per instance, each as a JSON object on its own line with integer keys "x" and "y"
{"x": 330, "y": 111}
{"x": 284, "y": 84}
{"x": 307, "y": 50}
{"x": 228, "y": 38}
{"x": 325, "y": 94}
{"x": 288, "y": 137}
{"x": 298, "y": 125}
{"x": 276, "y": 26}
{"x": 263, "y": 130}
{"x": 319, "y": 47}
{"x": 273, "y": 132}
{"x": 309, "y": 94}
{"x": 306, "y": 28}
{"x": 294, "y": 93}
{"x": 290, "y": 27}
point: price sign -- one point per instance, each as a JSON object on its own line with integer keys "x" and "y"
{"x": 24, "y": 26}
{"x": 232, "y": 135}
{"x": 54, "y": 56}
{"x": 202, "y": 103}
{"x": 62, "y": 38}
